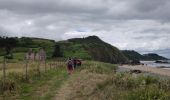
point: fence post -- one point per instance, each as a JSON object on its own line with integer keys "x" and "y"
{"x": 38, "y": 68}
{"x": 45, "y": 65}
{"x": 4, "y": 70}
{"x": 26, "y": 70}
{"x": 50, "y": 66}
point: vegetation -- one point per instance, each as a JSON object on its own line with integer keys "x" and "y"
{"x": 37, "y": 87}
{"x": 8, "y": 44}
{"x": 57, "y": 51}
{"x": 132, "y": 55}
{"x": 93, "y": 80}
{"x": 91, "y": 48}
{"x": 97, "y": 81}
{"x": 15, "y": 48}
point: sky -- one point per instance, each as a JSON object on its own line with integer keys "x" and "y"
{"x": 141, "y": 25}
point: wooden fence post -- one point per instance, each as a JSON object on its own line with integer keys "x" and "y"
{"x": 45, "y": 65}
{"x": 4, "y": 70}
{"x": 26, "y": 70}
{"x": 49, "y": 65}
{"x": 38, "y": 68}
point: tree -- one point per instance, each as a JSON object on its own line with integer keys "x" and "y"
{"x": 8, "y": 43}
{"x": 25, "y": 42}
{"x": 57, "y": 51}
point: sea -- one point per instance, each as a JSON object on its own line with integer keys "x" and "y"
{"x": 158, "y": 65}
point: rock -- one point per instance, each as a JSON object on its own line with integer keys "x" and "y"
{"x": 135, "y": 71}
{"x": 161, "y": 61}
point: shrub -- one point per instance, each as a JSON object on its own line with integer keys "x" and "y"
{"x": 151, "y": 92}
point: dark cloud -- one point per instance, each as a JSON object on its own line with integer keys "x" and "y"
{"x": 52, "y": 6}
{"x": 150, "y": 6}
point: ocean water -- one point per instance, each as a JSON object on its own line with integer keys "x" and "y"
{"x": 153, "y": 64}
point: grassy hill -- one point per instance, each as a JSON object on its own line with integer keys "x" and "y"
{"x": 91, "y": 48}
{"x": 23, "y": 44}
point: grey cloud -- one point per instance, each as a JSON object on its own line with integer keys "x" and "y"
{"x": 127, "y": 24}
{"x": 149, "y": 6}
{"x": 96, "y": 9}
{"x": 52, "y": 6}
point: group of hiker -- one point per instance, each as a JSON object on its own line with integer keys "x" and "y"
{"x": 72, "y": 64}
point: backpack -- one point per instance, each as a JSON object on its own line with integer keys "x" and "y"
{"x": 70, "y": 62}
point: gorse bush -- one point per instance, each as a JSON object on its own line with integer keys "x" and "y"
{"x": 164, "y": 84}
{"x": 125, "y": 81}
{"x": 151, "y": 92}
{"x": 14, "y": 80}
{"x": 125, "y": 86}
{"x": 98, "y": 67}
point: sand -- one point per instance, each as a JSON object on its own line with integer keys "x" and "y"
{"x": 165, "y": 72}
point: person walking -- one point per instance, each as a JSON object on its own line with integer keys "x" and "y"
{"x": 70, "y": 66}
{"x": 75, "y": 63}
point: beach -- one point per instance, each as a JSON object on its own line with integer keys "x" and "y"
{"x": 154, "y": 70}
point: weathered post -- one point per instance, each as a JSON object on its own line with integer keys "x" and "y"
{"x": 4, "y": 70}
{"x": 38, "y": 68}
{"x": 56, "y": 65}
{"x": 42, "y": 56}
{"x": 50, "y": 66}
{"x": 26, "y": 69}
{"x": 37, "y": 58}
{"x": 45, "y": 64}
{"x": 27, "y": 58}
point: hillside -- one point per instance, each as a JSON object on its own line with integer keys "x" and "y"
{"x": 132, "y": 55}
{"x": 91, "y": 48}
{"x": 23, "y": 44}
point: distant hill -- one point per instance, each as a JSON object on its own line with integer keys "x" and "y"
{"x": 91, "y": 48}
{"x": 133, "y": 55}
{"x": 153, "y": 56}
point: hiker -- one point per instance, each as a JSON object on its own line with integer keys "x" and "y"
{"x": 78, "y": 62}
{"x": 74, "y": 63}
{"x": 70, "y": 66}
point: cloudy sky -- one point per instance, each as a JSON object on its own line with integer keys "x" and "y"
{"x": 142, "y": 25}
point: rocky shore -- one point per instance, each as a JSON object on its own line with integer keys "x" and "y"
{"x": 145, "y": 69}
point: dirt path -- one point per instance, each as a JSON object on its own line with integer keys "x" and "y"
{"x": 160, "y": 71}
{"x": 80, "y": 86}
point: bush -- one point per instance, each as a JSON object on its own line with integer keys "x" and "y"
{"x": 151, "y": 92}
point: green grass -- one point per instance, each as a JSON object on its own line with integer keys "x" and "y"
{"x": 53, "y": 79}
{"x": 127, "y": 87}
{"x": 37, "y": 87}
{"x": 77, "y": 50}
{"x": 93, "y": 80}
